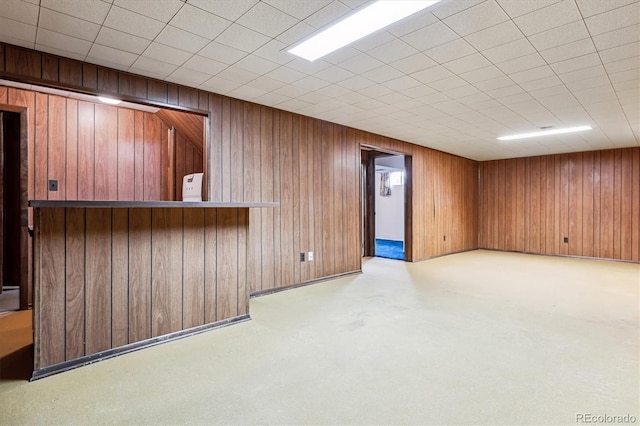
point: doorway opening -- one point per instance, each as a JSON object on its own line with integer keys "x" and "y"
{"x": 386, "y": 204}
{"x": 13, "y": 212}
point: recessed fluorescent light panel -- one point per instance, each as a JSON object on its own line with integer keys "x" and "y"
{"x": 109, "y": 101}
{"x": 360, "y": 24}
{"x": 545, "y": 133}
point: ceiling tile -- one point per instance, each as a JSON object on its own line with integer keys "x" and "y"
{"x": 568, "y": 51}
{"x": 414, "y": 63}
{"x": 621, "y": 65}
{"x": 544, "y": 19}
{"x": 266, "y": 83}
{"x": 188, "y": 77}
{"x": 476, "y": 18}
{"x": 392, "y": 51}
{"x": 219, "y": 85}
{"x": 625, "y": 51}
{"x": 69, "y": 25}
{"x": 61, "y": 52}
{"x": 267, "y": 20}
{"x": 401, "y": 83}
{"x": 20, "y": 11}
{"x": 334, "y": 74}
{"x": 291, "y": 91}
{"x": 296, "y": 33}
{"x": 382, "y": 74}
{"x": 494, "y": 83}
{"x": 447, "y": 83}
{"x": 222, "y": 53}
{"x": 614, "y": 19}
{"x": 161, "y": 12}
{"x": 540, "y": 84}
{"x": 511, "y": 50}
{"x": 310, "y": 83}
{"x": 242, "y": 38}
{"x": 163, "y": 53}
{"x": 375, "y": 91}
{"x": 467, "y": 63}
{"x": 237, "y": 74}
{"x": 199, "y": 22}
{"x": 412, "y": 23}
{"x": 308, "y": 67}
{"x": 227, "y": 9}
{"x": 448, "y": 8}
{"x": 532, "y": 74}
{"x": 356, "y": 83}
{"x": 298, "y": 9}
{"x": 90, "y": 10}
{"x": 144, "y": 63}
{"x": 360, "y": 64}
{"x": 62, "y": 42}
{"x": 256, "y": 65}
{"x": 112, "y": 55}
{"x": 285, "y": 75}
{"x": 481, "y": 74}
{"x": 14, "y": 31}
{"x": 521, "y": 64}
{"x": 452, "y": 50}
{"x": 430, "y": 36}
{"x": 517, "y": 8}
{"x": 181, "y": 39}
{"x": 204, "y": 65}
{"x": 494, "y": 36}
{"x": 133, "y": 23}
{"x": 246, "y": 92}
{"x": 275, "y": 52}
{"x": 432, "y": 74}
{"x": 617, "y": 38}
{"x": 590, "y": 7}
{"x": 560, "y": 35}
{"x": 372, "y": 41}
{"x": 576, "y": 64}
{"x": 327, "y": 14}
{"x": 122, "y": 41}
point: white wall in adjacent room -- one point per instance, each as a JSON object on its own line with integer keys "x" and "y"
{"x": 390, "y": 210}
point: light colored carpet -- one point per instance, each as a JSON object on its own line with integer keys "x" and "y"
{"x": 475, "y": 338}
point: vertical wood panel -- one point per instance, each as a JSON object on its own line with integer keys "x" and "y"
{"x": 597, "y": 203}
{"x": 227, "y": 269}
{"x": 193, "y": 296}
{"x": 98, "y": 274}
{"x": 241, "y": 283}
{"x": 575, "y": 205}
{"x": 287, "y": 256}
{"x": 166, "y": 271}
{"x": 635, "y": 207}
{"x": 106, "y": 152}
{"x": 626, "y": 200}
{"x": 225, "y": 178}
{"x": 267, "y": 194}
{"x": 211, "y": 265}
{"x": 71, "y": 161}
{"x": 120, "y": 278}
{"x": 617, "y": 202}
{"x": 70, "y": 72}
{"x": 126, "y": 154}
{"x": 40, "y": 170}
{"x": 75, "y": 283}
{"x": 587, "y": 204}
{"x": 152, "y": 157}
{"x": 237, "y": 151}
{"x": 607, "y": 180}
{"x": 140, "y": 274}
{"x": 50, "y": 69}
{"x": 57, "y": 146}
{"x": 86, "y": 154}
{"x": 139, "y": 156}
{"x": 51, "y": 301}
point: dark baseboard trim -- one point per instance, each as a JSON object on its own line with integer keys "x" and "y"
{"x": 132, "y": 347}
{"x": 302, "y": 284}
{"x": 570, "y": 256}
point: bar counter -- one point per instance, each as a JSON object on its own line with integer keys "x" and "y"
{"x": 111, "y": 277}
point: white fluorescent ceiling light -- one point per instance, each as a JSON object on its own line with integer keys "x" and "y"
{"x": 545, "y": 133}
{"x": 362, "y": 23}
{"x": 109, "y": 101}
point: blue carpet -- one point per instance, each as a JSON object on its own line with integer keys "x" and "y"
{"x": 390, "y": 249}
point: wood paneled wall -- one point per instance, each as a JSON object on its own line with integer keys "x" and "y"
{"x": 120, "y": 276}
{"x": 593, "y": 198}
{"x": 94, "y": 151}
{"x": 311, "y": 167}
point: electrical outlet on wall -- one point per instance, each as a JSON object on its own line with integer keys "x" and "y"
{"x": 53, "y": 185}
{"x": 566, "y": 239}
{"x": 310, "y": 256}
{"x": 302, "y": 257}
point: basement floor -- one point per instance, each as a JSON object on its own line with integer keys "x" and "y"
{"x": 474, "y": 338}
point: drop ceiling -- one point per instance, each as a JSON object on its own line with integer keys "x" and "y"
{"x": 453, "y": 77}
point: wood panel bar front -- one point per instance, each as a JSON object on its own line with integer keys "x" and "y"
{"x": 114, "y": 278}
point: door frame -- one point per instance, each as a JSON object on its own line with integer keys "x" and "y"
{"x": 368, "y": 155}
{"x": 26, "y": 289}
